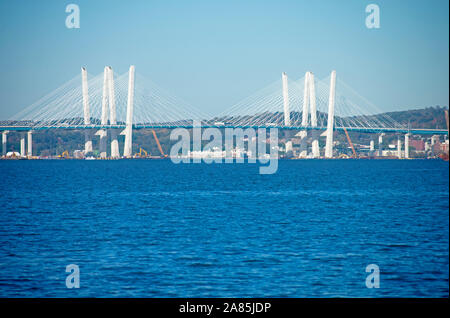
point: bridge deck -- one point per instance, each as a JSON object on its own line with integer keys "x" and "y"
{"x": 419, "y": 131}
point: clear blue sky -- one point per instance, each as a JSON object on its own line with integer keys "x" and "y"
{"x": 214, "y": 53}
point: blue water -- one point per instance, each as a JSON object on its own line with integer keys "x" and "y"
{"x": 150, "y": 228}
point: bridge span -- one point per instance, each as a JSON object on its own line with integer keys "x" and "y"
{"x": 310, "y": 106}
{"x": 415, "y": 131}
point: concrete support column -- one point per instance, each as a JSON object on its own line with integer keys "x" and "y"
{"x": 114, "y": 144}
{"x": 112, "y": 115}
{"x": 399, "y": 148}
{"x": 407, "y": 146}
{"x": 103, "y": 136}
{"x": 380, "y": 144}
{"x": 288, "y": 142}
{"x": 315, "y": 144}
{"x": 4, "y": 141}
{"x": 303, "y": 146}
{"x": 289, "y": 146}
{"x": 103, "y": 140}
{"x": 22, "y": 145}
{"x": 372, "y": 146}
{"x": 86, "y": 112}
{"x": 30, "y": 144}
{"x": 330, "y": 125}
{"x": 87, "y": 141}
{"x": 127, "y": 152}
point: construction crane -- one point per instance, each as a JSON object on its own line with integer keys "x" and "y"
{"x": 64, "y": 155}
{"x": 142, "y": 153}
{"x": 159, "y": 145}
{"x": 350, "y": 142}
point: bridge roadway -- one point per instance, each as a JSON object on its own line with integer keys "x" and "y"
{"x": 418, "y": 131}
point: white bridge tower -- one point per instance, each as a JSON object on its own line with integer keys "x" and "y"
{"x": 129, "y": 123}
{"x": 330, "y": 121}
{"x": 287, "y": 112}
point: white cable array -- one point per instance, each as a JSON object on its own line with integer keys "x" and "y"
{"x": 266, "y": 107}
{"x": 63, "y": 107}
{"x": 155, "y": 107}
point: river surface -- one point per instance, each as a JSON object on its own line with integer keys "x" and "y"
{"x": 151, "y": 228}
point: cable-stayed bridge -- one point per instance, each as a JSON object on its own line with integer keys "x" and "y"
{"x": 109, "y": 104}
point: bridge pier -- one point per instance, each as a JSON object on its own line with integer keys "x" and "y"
{"x": 114, "y": 144}
{"x": 127, "y": 152}
{"x": 22, "y": 145}
{"x": 399, "y": 148}
{"x": 288, "y": 143}
{"x": 4, "y": 141}
{"x": 330, "y": 121}
{"x": 30, "y": 144}
{"x": 87, "y": 141}
{"x": 315, "y": 144}
{"x": 380, "y": 145}
{"x": 407, "y": 146}
{"x": 303, "y": 146}
{"x": 103, "y": 139}
{"x": 372, "y": 146}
